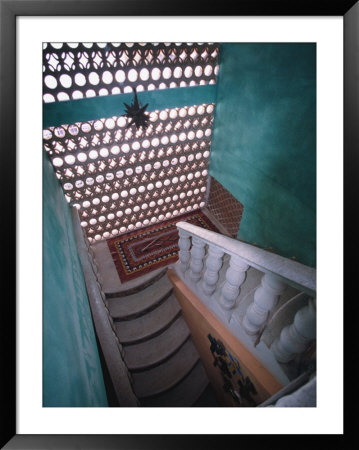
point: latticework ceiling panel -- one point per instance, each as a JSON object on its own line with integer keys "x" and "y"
{"x": 121, "y": 178}
{"x": 78, "y": 70}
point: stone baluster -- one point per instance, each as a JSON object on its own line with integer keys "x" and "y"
{"x": 213, "y": 264}
{"x": 265, "y": 298}
{"x": 197, "y": 254}
{"x": 295, "y": 338}
{"x": 235, "y": 276}
{"x": 184, "y": 244}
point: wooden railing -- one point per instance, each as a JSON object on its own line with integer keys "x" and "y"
{"x": 215, "y": 267}
{"x": 110, "y": 346}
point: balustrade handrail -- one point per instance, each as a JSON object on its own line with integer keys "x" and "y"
{"x": 292, "y": 272}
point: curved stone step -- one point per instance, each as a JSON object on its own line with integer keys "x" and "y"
{"x": 111, "y": 283}
{"x": 184, "y": 394}
{"x": 150, "y": 324}
{"x": 166, "y": 375}
{"x": 131, "y": 306}
{"x": 138, "y": 284}
{"x": 156, "y": 350}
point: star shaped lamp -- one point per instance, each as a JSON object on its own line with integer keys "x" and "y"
{"x": 136, "y": 113}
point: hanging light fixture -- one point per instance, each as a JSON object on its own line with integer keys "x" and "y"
{"x": 136, "y": 113}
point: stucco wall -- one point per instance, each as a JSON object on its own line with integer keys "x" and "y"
{"x": 72, "y": 374}
{"x": 264, "y": 143}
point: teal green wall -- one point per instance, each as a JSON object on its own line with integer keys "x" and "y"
{"x": 71, "y": 111}
{"x": 264, "y": 143}
{"x": 72, "y": 374}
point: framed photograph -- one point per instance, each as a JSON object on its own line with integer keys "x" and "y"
{"x": 26, "y": 28}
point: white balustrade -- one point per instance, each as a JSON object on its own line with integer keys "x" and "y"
{"x": 213, "y": 265}
{"x": 295, "y": 338}
{"x": 235, "y": 276}
{"x": 265, "y": 298}
{"x": 184, "y": 244}
{"x": 221, "y": 292}
{"x": 197, "y": 254}
{"x": 291, "y": 272}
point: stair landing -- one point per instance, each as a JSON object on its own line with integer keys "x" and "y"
{"x": 111, "y": 283}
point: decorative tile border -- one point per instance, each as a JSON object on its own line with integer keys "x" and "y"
{"x": 224, "y": 207}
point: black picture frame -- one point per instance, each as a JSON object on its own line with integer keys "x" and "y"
{"x": 9, "y": 10}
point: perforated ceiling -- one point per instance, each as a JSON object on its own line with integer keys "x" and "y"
{"x": 122, "y": 178}
{"x": 77, "y": 70}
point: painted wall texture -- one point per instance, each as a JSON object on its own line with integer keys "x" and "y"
{"x": 72, "y": 374}
{"x": 264, "y": 143}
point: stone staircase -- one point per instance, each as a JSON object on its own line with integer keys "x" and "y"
{"x": 164, "y": 365}
{"x": 149, "y": 358}
{"x": 162, "y": 360}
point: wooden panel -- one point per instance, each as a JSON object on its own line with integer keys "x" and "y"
{"x": 237, "y": 377}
